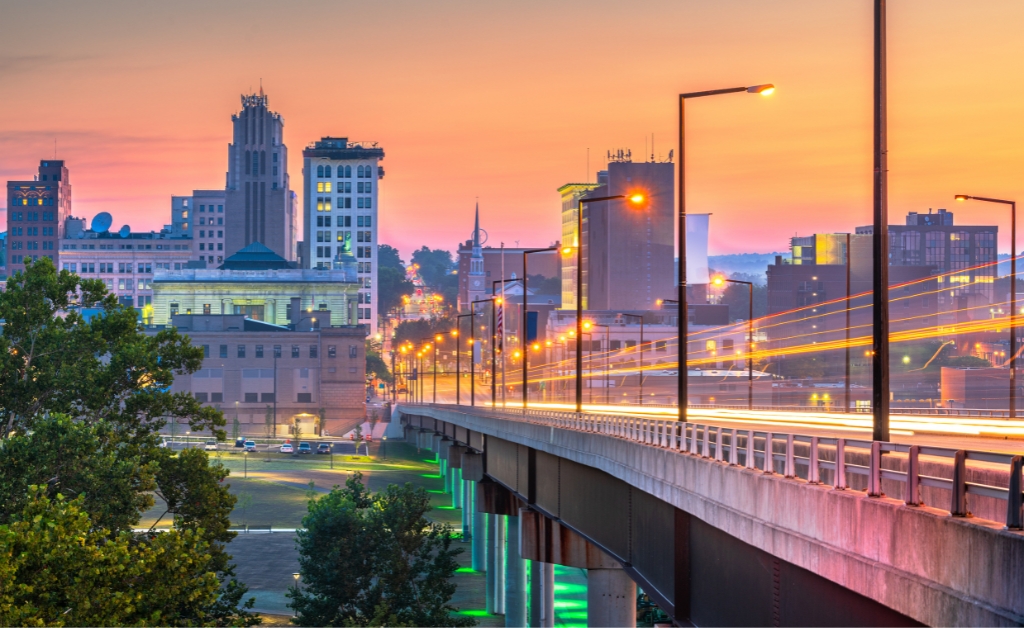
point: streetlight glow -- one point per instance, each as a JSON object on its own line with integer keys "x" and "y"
{"x": 765, "y": 90}
{"x": 961, "y": 197}
{"x": 637, "y": 198}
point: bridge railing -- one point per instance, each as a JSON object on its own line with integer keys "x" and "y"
{"x": 799, "y": 456}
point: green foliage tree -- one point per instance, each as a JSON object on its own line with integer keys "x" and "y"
{"x": 415, "y": 331}
{"x": 539, "y": 284}
{"x": 391, "y": 287}
{"x": 388, "y": 257}
{"x": 737, "y": 297}
{"x": 375, "y": 560}
{"x": 81, "y": 405}
{"x": 434, "y": 265}
{"x": 376, "y": 366}
{"x": 58, "y": 569}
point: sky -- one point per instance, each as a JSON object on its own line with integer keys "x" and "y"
{"x": 500, "y": 102}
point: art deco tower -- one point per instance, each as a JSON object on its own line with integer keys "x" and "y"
{"x": 260, "y": 206}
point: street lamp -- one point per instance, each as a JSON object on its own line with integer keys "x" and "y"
{"x": 494, "y": 341}
{"x": 526, "y": 318}
{"x": 636, "y": 199}
{"x": 245, "y": 461}
{"x": 641, "y": 318}
{"x": 750, "y": 336}
{"x": 437, "y": 340}
{"x": 1013, "y": 292}
{"x": 607, "y": 354}
{"x": 764, "y": 90}
{"x": 458, "y": 353}
{"x": 472, "y": 350}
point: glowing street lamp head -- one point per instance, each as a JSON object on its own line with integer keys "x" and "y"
{"x": 455, "y": 333}
{"x": 637, "y": 198}
{"x": 765, "y": 90}
{"x": 718, "y": 281}
{"x": 567, "y": 250}
{"x": 536, "y": 346}
{"x": 516, "y": 354}
{"x": 587, "y": 324}
{"x": 961, "y": 197}
{"x": 498, "y": 300}
{"x": 439, "y": 338}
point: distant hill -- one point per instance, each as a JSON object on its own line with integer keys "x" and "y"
{"x": 749, "y": 263}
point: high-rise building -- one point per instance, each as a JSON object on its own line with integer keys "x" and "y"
{"x": 340, "y": 212}
{"x": 628, "y": 250}
{"x": 36, "y": 211}
{"x": 201, "y": 217}
{"x": 571, "y": 194}
{"x": 933, "y": 240}
{"x": 259, "y": 205}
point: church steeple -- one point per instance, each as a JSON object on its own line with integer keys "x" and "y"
{"x": 475, "y": 281}
{"x": 476, "y": 229}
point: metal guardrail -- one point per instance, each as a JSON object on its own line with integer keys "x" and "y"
{"x": 967, "y": 412}
{"x": 727, "y": 445}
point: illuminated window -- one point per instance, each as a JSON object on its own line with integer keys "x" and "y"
{"x": 710, "y": 345}
{"x": 320, "y": 185}
{"x": 327, "y": 185}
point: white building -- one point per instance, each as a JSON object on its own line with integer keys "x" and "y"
{"x": 340, "y": 211}
{"x": 124, "y": 261}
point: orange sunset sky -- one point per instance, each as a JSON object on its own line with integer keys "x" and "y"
{"x": 500, "y": 101}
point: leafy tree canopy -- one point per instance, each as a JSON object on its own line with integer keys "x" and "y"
{"x": 434, "y": 265}
{"x": 388, "y": 257}
{"x": 416, "y": 331}
{"x": 374, "y": 560}
{"x": 391, "y": 287}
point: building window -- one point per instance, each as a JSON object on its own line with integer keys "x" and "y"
{"x": 251, "y": 397}
{"x": 201, "y": 397}
{"x": 259, "y": 351}
{"x": 295, "y": 351}
{"x": 353, "y": 351}
{"x": 241, "y": 351}
{"x": 206, "y": 309}
{"x": 305, "y": 398}
{"x": 216, "y": 397}
{"x": 312, "y": 351}
{"x": 277, "y": 351}
{"x": 223, "y": 351}
{"x": 332, "y": 351}
{"x": 206, "y": 351}
{"x": 267, "y": 397}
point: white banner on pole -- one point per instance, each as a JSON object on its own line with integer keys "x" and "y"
{"x": 697, "y": 249}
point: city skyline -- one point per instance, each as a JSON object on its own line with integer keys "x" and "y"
{"x": 497, "y": 117}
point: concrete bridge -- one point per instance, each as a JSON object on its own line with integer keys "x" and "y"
{"x": 821, "y": 531}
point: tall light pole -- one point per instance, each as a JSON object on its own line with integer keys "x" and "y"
{"x": 437, "y": 340}
{"x": 750, "y": 336}
{"x": 846, "y": 387}
{"x": 764, "y": 90}
{"x": 1013, "y": 292}
{"x": 633, "y": 198}
{"x": 458, "y": 353}
{"x": 880, "y": 242}
{"x": 472, "y": 349}
{"x": 607, "y": 354}
{"x": 526, "y": 318}
{"x": 641, "y": 318}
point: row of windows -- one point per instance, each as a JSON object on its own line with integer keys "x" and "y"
{"x": 32, "y": 245}
{"x": 29, "y": 216}
{"x": 202, "y": 221}
{"x": 365, "y": 313}
{"x": 296, "y": 351}
{"x": 205, "y": 234}
{"x": 124, "y": 268}
{"x": 23, "y": 259}
{"x": 345, "y": 172}
{"x": 220, "y": 209}
{"x": 325, "y": 204}
{"x": 345, "y": 187}
{"x": 203, "y": 246}
{"x": 45, "y": 200}
{"x": 344, "y": 221}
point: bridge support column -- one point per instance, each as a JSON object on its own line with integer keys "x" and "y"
{"x": 611, "y": 598}
{"x": 478, "y": 550}
{"x": 468, "y": 530}
{"x": 542, "y": 594}
{"x": 515, "y": 577}
{"x": 497, "y": 546}
{"x": 489, "y": 562}
{"x": 456, "y": 487}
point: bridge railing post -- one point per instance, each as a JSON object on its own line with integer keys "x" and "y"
{"x": 769, "y": 460}
{"x": 790, "y": 457}
{"x": 751, "y": 462}
{"x": 813, "y": 471}
{"x": 839, "y": 482}
{"x": 734, "y": 456}
{"x": 718, "y": 443}
{"x": 875, "y": 470}
{"x": 1015, "y": 500}
{"x": 706, "y": 446}
{"x": 959, "y": 506}
{"x": 694, "y": 439}
{"x": 913, "y": 492}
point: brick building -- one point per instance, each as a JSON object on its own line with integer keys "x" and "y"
{"x": 36, "y": 211}
{"x": 294, "y": 373}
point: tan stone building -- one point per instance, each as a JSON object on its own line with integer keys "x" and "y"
{"x": 267, "y": 378}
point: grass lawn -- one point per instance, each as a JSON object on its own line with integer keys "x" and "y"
{"x": 277, "y": 490}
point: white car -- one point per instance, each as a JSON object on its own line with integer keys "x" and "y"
{"x": 287, "y": 448}
{"x": 211, "y": 445}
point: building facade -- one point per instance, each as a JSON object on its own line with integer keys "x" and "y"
{"x": 259, "y": 205}
{"x": 125, "y": 263}
{"x": 341, "y": 211}
{"x": 304, "y": 374}
{"x": 629, "y": 250}
{"x": 201, "y": 217}
{"x": 571, "y": 194}
{"x": 36, "y": 211}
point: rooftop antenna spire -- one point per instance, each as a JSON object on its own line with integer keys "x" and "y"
{"x": 261, "y": 86}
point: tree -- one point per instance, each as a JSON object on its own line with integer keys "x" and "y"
{"x": 376, "y": 366}
{"x": 539, "y": 284}
{"x": 388, "y": 257}
{"x": 57, "y": 568}
{"x": 737, "y": 297}
{"x": 374, "y": 559}
{"x": 391, "y": 287}
{"x": 434, "y": 265}
{"x": 82, "y": 401}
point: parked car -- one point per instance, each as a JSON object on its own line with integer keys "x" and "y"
{"x": 240, "y": 442}
{"x": 323, "y": 448}
{"x": 211, "y": 445}
{"x": 304, "y": 448}
{"x": 250, "y": 445}
{"x": 287, "y": 448}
